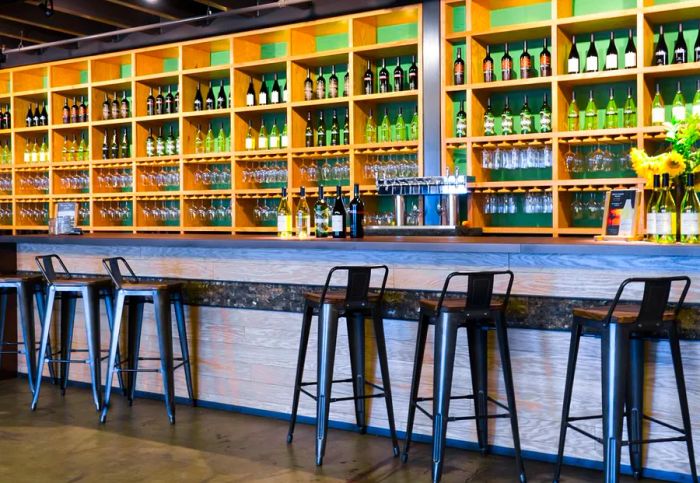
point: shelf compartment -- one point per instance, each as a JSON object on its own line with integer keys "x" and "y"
{"x": 320, "y": 37}
{"x": 261, "y": 46}
{"x": 603, "y": 77}
{"x": 388, "y": 26}
{"x": 200, "y": 55}
{"x": 116, "y": 68}
{"x": 599, "y": 20}
{"x": 498, "y": 17}
{"x": 67, "y": 74}
{"x": 158, "y": 61}
{"x": 30, "y": 79}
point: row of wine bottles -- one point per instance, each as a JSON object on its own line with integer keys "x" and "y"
{"x": 526, "y": 118}
{"x": 383, "y": 133}
{"x": 275, "y": 95}
{"x": 37, "y": 153}
{"x": 36, "y": 117}
{"x": 662, "y": 213}
{"x": 116, "y": 149}
{"x": 323, "y": 91}
{"x": 680, "y": 49}
{"x": 115, "y": 109}
{"x": 320, "y": 136}
{"x": 612, "y": 115}
{"x": 384, "y": 85}
{"x": 5, "y": 118}
{"x": 610, "y": 62}
{"x": 328, "y": 222}
{"x": 272, "y": 140}
{"x": 678, "y": 108}
{"x": 73, "y": 113}
{"x": 508, "y": 71}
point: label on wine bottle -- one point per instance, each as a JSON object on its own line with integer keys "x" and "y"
{"x": 611, "y": 61}
{"x": 333, "y": 88}
{"x": 507, "y": 125}
{"x": 696, "y": 109}
{"x": 658, "y": 115}
{"x": 664, "y": 224}
{"x": 262, "y": 142}
{"x": 337, "y": 223}
{"x": 461, "y": 127}
{"x": 459, "y": 76}
{"x": 573, "y": 66}
{"x": 545, "y": 123}
{"x": 489, "y": 126}
{"x": 249, "y": 100}
{"x": 274, "y": 142}
{"x": 249, "y": 144}
{"x": 690, "y": 224}
{"x": 285, "y": 141}
{"x": 526, "y": 124}
{"x": 262, "y": 98}
{"x": 284, "y": 223}
{"x": 630, "y": 60}
{"x": 275, "y": 97}
{"x": 592, "y": 64}
{"x": 105, "y": 113}
{"x": 678, "y": 113}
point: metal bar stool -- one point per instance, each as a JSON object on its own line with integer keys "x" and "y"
{"x": 475, "y": 311}
{"x": 67, "y": 289}
{"x": 356, "y": 303}
{"x": 161, "y": 295}
{"x": 621, "y": 327}
{"x": 28, "y": 288}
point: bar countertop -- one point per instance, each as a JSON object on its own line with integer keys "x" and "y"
{"x": 525, "y": 245}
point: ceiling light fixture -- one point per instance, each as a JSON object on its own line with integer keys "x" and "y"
{"x": 47, "y": 7}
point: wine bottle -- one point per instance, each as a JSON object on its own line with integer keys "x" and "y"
{"x": 221, "y": 95}
{"x": 611, "y": 54}
{"x": 170, "y": 149}
{"x": 65, "y": 114}
{"x": 263, "y": 95}
{"x": 335, "y": 129}
{"x": 629, "y": 111}
{"x": 151, "y": 102}
{"x": 124, "y": 151}
{"x": 346, "y": 128}
{"x": 400, "y": 127}
{"x": 652, "y": 210}
{"x": 37, "y": 115}
{"x": 219, "y": 144}
{"x": 321, "y": 131}
{"x": 461, "y": 121}
{"x": 384, "y": 130}
{"x": 320, "y": 85}
{"x": 630, "y": 52}
{"x": 150, "y": 143}
{"x": 525, "y": 62}
{"x": 30, "y": 115}
{"x": 346, "y": 83}
{"x": 303, "y": 216}
{"x": 661, "y": 52}
{"x": 357, "y": 215}
{"x": 284, "y": 137}
{"x": 106, "y": 108}
{"x": 114, "y": 106}
{"x": 611, "y": 114}
{"x": 114, "y": 146}
{"x": 262, "y": 136}
{"x": 383, "y": 78}
{"x": 35, "y": 151}
{"x": 250, "y": 94}
{"x": 592, "y": 56}
{"x": 690, "y": 212}
{"x": 309, "y": 131}
{"x": 398, "y": 76}
{"x": 274, "y": 136}
{"x": 413, "y": 128}
{"x": 678, "y": 106}
{"x": 696, "y": 49}
{"x": 7, "y": 118}
{"x": 285, "y": 94}
{"x": 44, "y": 150}
{"x": 73, "y": 111}
{"x": 105, "y": 146}
{"x": 284, "y": 217}
{"x": 680, "y": 48}
{"x": 525, "y": 118}
{"x": 666, "y": 213}
{"x": 696, "y": 99}
{"x": 545, "y": 60}
{"x": 338, "y": 215}
{"x": 488, "y": 66}
{"x": 275, "y": 93}
{"x": 160, "y": 101}
{"x": 489, "y": 120}
{"x": 506, "y": 119}
{"x": 322, "y": 216}
{"x": 249, "y": 139}
{"x": 160, "y": 141}
{"x": 169, "y": 106}
{"x": 545, "y": 116}
{"x": 27, "y": 155}
{"x": 308, "y": 86}
{"x": 591, "y": 114}
{"x": 506, "y": 64}
{"x": 458, "y": 68}
{"x": 658, "y": 111}
{"x": 573, "y": 65}
{"x": 413, "y": 74}
{"x": 333, "y": 84}
{"x": 44, "y": 116}
{"x": 370, "y": 129}
{"x": 368, "y": 79}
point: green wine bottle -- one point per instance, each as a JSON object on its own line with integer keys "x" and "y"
{"x": 678, "y": 106}
{"x": 696, "y": 99}
{"x": 385, "y": 128}
{"x": 591, "y": 113}
{"x": 274, "y": 135}
{"x": 629, "y": 111}
{"x": 658, "y": 111}
{"x": 690, "y": 212}
{"x": 209, "y": 140}
{"x": 611, "y": 115}
{"x": 572, "y": 116}
{"x": 370, "y": 129}
{"x": 489, "y": 120}
{"x": 461, "y": 121}
{"x": 525, "y": 118}
{"x": 400, "y": 127}
{"x": 249, "y": 139}
{"x": 666, "y": 213}
{"x": 506, "y": 119}
{"x": 263, "y": 142}
{"x": 413, "y": 133}
{"x": 545, "y": 116}
{"x": 652, "y": 233}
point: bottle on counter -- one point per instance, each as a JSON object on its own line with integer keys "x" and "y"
{"x": 303, "y": 216}
{"x": 339, "y": 215}
{"x": 357, "y": 215}
{"x": 652, "y": 210}
{"x": 690, "y": 212}
{"x": 284, "y": 217}
{"x": 666, "y": 213}
{"x": 322, "y": 216}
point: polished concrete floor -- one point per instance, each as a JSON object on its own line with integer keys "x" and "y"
{"x": 63, "y": 442}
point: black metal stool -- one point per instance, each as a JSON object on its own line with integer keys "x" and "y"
{"x": 161, "y": 295}
{"x": 28, "y": 288}
{"x": 621, "y": 327}
{"x": 475, "y": 311}
{"x": 67, "y": 289}
{"x": 355, "y": 303}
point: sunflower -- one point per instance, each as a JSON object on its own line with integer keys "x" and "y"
{"x": 674, "y": 164}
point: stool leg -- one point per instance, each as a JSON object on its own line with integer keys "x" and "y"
{"x": 635, "y": 404}
{"x": 615, "y": 356}
{"x": 26, "y": 319}
{"x": 502, "y": 335}
{"x": 134, "y": 335}
{"x": 109, "y": 308}
{"x": 184, "y": 350}
{"x": 682, "y": 396}
{"x": 161, "y": 302}
{"x": 423, "y": 323}
{"x": 301, "y": 359}
{"x": 3, "y": 316}
{"x": 576, "y": 330}
{"x": 45, "y": 330}
{"x": 386, "y": 380}
{"x": 445, "y": 343}
{"x": 478, "y": 365}
{"x": 356, "y": 343}
{"x": 41, "y": 310}
{"x": 68, "y": 302}
{"x": 113, "y": 351}
{"x": 91, "y": 302}
{"x": 327, "y": 333}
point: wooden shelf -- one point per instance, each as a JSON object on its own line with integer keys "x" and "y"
{"x": 597, "y": 22}
{"x": 514, "y": 33}
{"x": 395, "y": 96}
{"x": 594, "y": 78}
{"x": 673, "y": 70}
{"x": 512, "y": 85}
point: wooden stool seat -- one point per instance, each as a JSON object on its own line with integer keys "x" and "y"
{"x": 15, "y": 278}
{"x": 451, "y": 305}
{"x": 623, "y": 313}
{"x": 82, "y": 282}
{"x": 164, "y": 286}
{"x": 335, "y": 298}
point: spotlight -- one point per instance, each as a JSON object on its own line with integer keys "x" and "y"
{"x": 47, "y": 7}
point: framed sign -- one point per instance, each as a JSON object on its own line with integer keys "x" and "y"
{"x": 66, "y": 217}
{"x": 621, "y": 217}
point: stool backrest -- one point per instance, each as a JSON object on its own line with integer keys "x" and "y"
{"x": 46, "y": 265}
{"x": 358, "y": 284}
{"x": 655, "y": 298}
{"x": 112, "y": 265}
{"x": 479, "y": 289}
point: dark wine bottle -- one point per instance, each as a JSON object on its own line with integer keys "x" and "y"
{"x": 357, "y": 215}
{"x": 105, "y": 146}
{"x": 573, "y": 65}
{"x": 525, "y": 62}
{"x": 276, "y": 92}
{"x": 321, "y": 131}
{"x": 73, "y": 111}
{"x": 124, "y": 106}
{"x": 488, "y": 66}
{"x": 413, "y": 74}
{"x": 151, "y": 102}
{"x": 383, "y": 78}
{"x": 680, "y": 48}
{"x": 506, "y": 65}
{"x": 210, "y": 101}
{"x": 308, "y": 86}
{"x": 630, "y": 52}
{"x": 398, "y": 75}
{"x": 30, "y": 115}
{"x": 346, "y": 127}
{"x": 115, "y": 106}
{"x": 368, "y": 79}
{"x": 65, "y": 114}
{"x": 338, "y": 216}
{"x": 661, "y": 52}
{"x": 309, "y": 132}
{"x": 458, "y": 68}
{"x": 545, "y": 60}
{"x": 44, "y": 116}
{"x": 250, "y": 94}
{"x": 221, "y": 96}
{"x": 611, "y": 54}
{"x": 7, "y": 118}
{"x": 114, "y": 147}
{"x": 160, "y": 102}
{"x": 124, "y": 145}
{"x": 105, "y": 108}
{"x": 320, "y": 85}
{"x": 335, "y": 129}
{"x": 263, "y": 95}
{"x": 169, "y": 106}
{"x": 592, "y": 56}
{"x": 333, "y": 84}
{"x": 37, "y": 115}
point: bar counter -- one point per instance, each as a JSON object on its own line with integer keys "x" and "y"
{"x": 244, "y": 301}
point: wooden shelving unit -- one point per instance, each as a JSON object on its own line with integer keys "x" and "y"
{"x": 127, "y": 202}
{"x": 473, "y": 24}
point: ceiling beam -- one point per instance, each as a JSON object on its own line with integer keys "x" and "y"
{"x": 226, "y": 5}
{"x": 11, "y": 42}
{"x": 107, "y": 13}
{"x": 171, "y": 10}
{"x": 58, "y": 22}
{"x": 29, "y": 34}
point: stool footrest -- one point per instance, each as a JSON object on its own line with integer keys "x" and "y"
{"x": 457, "y": 418}
{"x": 119, "y": 369}
{"x": 338, "y": 399}
{"x": 627, "y": 443}
{"x": 68, "y": 361}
